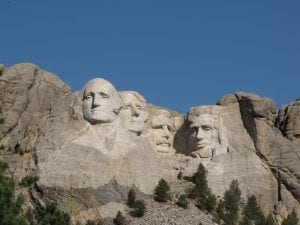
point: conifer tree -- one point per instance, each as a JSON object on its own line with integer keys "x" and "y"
{"x": 162, "y": 191}
{"x": 51, "y": 215}
{"x": 228, "y": 208}
{"x": 10, "y": 208}
{"x": 131, "y": 198}
{"x": 270, "y": 220}
{"x": 139, "y": 208}
{"x": 120, "y": 219}
{"x": 182, "y": 201}
{"x": 291, "y": 219}
{"x": 205, "y": 198}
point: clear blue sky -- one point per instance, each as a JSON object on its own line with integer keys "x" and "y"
{"x": 177, "y": 54}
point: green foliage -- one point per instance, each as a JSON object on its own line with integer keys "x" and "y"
{"x": 130, "y": 198}
{"x": 182, "y": 201}
{"x": 200, "y": 191}
{"x": 28, "y": 181}
{"x": 10, "y": 207}
{"x": 200, "y": 188}
{"x": 139, "y": 208}
{"x": 2, "y": 120}
{"x": 51, "y": 215}
{"x": 92, "y": 222}
{"x": 162, "y": 191}
{"x": 30, "y": 216}
{"x": 245, "y": 221}
{"x": 228, "y": 207}
{"x": 120, "y": 219}
{"x": 252, "y": 211}
{"x": 291, "y": 219}
{"x": 270, "y": 220}
{"x": 187, "y": 178}
{"x": 211, "y": 202}
{"x": 2, "y": 147}
{"x": 179, "y": 175}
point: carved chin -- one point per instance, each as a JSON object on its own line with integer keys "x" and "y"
{"x": 202, "y": 153}
{"x": 136, "y": 127}
{"x": 99, "y": 117}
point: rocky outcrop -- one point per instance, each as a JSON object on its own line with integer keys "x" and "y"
{"x": 288, "y": 121}
{"x": 279, "y": 153}
{"x": 27, "y": 95}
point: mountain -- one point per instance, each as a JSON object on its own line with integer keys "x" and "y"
{"x": 89, "y": 148}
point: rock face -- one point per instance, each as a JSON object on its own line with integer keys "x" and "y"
{"x": 90, "y": 147}
{"x": 288, "y": 121}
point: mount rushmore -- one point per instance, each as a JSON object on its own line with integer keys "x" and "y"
{"x": 91, "y": 146}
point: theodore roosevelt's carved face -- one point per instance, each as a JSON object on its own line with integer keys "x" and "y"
{"x": 134, "y": 111}
{"x": 101, "y": 103}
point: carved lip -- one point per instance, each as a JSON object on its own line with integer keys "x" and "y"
{"x": 164, "y": 144}
{"x": 202, "y": 145}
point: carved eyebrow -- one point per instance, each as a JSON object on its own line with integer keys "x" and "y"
{"x": 103, "y": 94}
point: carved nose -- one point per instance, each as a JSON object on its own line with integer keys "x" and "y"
{"x": 199, "y": 135}
{"x": 166, "y": 132}
{"x": 134, "y": 112}
{"x": 96, "y": 101}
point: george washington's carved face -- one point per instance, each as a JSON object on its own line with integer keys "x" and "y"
{"x": 134, "y": 111}
{"x": 100, "y": 101}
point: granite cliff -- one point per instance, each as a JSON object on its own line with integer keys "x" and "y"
{"x": 90, "y": 147}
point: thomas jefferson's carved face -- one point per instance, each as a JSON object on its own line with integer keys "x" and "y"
{"x": 100, "y": 101}
{"x": 134, "y": 111}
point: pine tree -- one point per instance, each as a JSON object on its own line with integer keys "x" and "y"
{"x": 228, "y": 208}
{"x": 10, "y": 208}
{"x": 182, "y": 201}
{"x": 291, "y": 219}
{"x": 51, "y": 215}
{"x": 162, "y": 191}
{"x": 270, "y": 220}
{"x": 139, "y": 208}
{"x": 200, "y": 187}
{"x": 131, "y": 198}
{"x": 120, "y": 219}
{"x": 201, "y": 191}
{"x": 211, "y": 202}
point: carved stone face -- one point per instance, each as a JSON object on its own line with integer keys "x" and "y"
{"x": 160, "y": 132}
{"x": 100, "y": 101}
{"x": 134, "y": 112}
{"x": 204, "y": 137}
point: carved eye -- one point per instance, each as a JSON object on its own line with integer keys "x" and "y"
{"x": 139, "y": 107}
{"x": 157, "y": 127}
{"x": 88, "y": 96}
{"x": 206, "y": 127}
{"x": 194, "y": 130}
